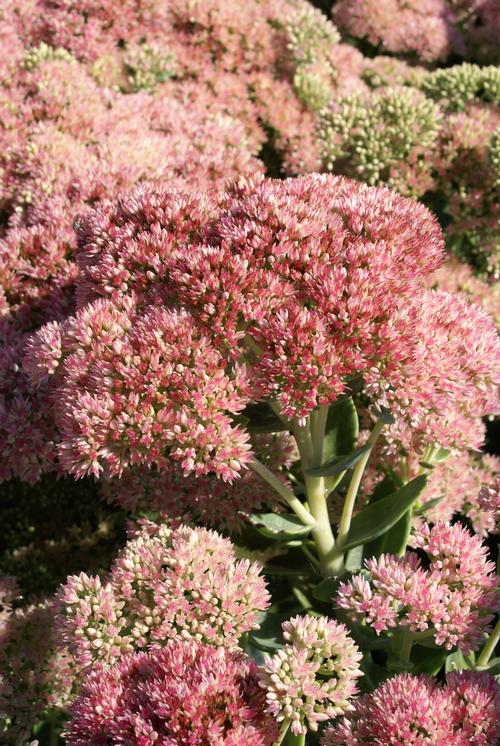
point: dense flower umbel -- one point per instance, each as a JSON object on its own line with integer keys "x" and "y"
{"x": 187, "y": 693}
{"x": 166, "y": 583}
{"x": 314, "y": 676}
{"x": 312, "y": 269}
{"x": 453, "y": 378}
{"x": 454, "y": 599}
{"x": 418, "y": 711}
{"x": 138, "y": 387}
{"x": 489, "y": 501}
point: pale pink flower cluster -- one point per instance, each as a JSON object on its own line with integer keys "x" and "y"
{"x": 457, "y": 277}
{"x": 452, "y": 380}
{"x": 489, "y": 501}
{"x": 35, "y": 673}
{"x": 455, "y": 599}
{"x": 182, "y": 583}
{"x": 418, "y": 711}
{"x": 313, "y": 677}
{"x": 188, "y": 692}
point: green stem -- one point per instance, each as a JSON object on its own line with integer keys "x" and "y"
{"x": 352, "y": 492}
{"x": 490, "y": 646}
{"x": 309, "y": 439}
{"x": 400, "y": 651}
{"x": 283, "y": 731}
{"x": 318, "y": 427}
{"x": 298, "y": 508}
{"x": 322, "y": 532}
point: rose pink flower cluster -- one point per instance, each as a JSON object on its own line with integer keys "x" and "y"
{"x": 188, "y": 692}
{"x": 313, "y": 677}
{"x": 35, "y": 673}
{"x": 135, "y": 387}
{"x": 455, "y": 599}
{"x": 166, "y": 583}
{"x": 418, "y": 711}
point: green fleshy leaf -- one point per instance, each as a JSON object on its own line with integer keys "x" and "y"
{"x": 440, "y": 455}
{"x": 395, "y": 540}
{"x": 354, "y": 559}
{"x": 457, "y": 661}
{"x": 269, "y": 636}
{"x": 428, "y": 660}
{"x": 428, "y": 505}
{"x": 279, "y": 526}
{"x": 380, "y": 516}
{"x": 339, "y": 464}
{"x": 326, "y": 590}
{"x": 342, "y": 429}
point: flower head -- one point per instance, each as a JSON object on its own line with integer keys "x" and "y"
{"x": 166, "y": 583}
{"x": 454, "y": 599}
{"x": 314, "y": 676}
{"x": 420, "y": 712}
{"x": 186, "y": 693}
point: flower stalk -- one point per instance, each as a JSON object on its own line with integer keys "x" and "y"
{"x": 352, "y": 492}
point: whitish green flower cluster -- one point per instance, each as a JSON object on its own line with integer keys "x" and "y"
{"x": 363, "y": 136}
{"x": 147, "y": 65}
{"x": 36, "y": 55}
{"x": 457, "y": 86}
{"x": 311, "y": 38}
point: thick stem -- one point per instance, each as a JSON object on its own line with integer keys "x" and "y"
{"x": 298, "y": 508}
{"x": 283, "y": 731}
{"x": 352, "y": 492}
{"x": 309, "y": 439}
{"x": 400, "y": 651}
{"x": 318, "y": 426}
{"x": 322, "y": 532}
{"x": 490, "y": 646}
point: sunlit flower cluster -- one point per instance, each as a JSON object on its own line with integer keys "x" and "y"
{"x": 417, "y": 710}
{"x": 455, "y": 599}
{"x": 312, "y": 678}
{"x": 166, "y": 583}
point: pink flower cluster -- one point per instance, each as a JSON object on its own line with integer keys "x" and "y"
{"x": 133, "y": 388}
{"x": 166, "y": 583}
{"x": 287, "y": 288}
{"x": 454, "y": 600}
{"x": 313, "y": 677}
{"x": 418, "y": 711}
{"x": 431, "y": 30}
{"x": 186, "y": 693}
